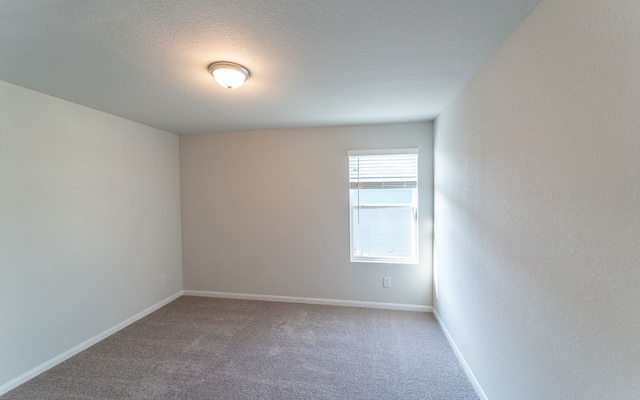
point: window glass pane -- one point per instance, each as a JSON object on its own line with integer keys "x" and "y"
{"x": 383, "y": 196}
{"x": 383, "y": 232}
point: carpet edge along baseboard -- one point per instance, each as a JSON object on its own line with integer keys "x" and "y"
{"x": 19, "y": 380}
{"x": 310, "y": 300}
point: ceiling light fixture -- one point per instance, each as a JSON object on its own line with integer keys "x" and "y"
{"x": 229, "y": 75}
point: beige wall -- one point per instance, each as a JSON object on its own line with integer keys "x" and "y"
{"x": 89, "y": 220}
{"x": 537, "y": 208}
{"x": 267, "y": 213}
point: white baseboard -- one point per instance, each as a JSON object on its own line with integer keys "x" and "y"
{"x": 12, "y": 384}
{"x": 310, "y": 300}
{"x": 456, "y": 350}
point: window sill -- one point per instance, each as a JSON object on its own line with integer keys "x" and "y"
{"x": 381, "y": 260}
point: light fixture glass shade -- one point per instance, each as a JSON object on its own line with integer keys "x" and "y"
{"x": 229, "y": 75}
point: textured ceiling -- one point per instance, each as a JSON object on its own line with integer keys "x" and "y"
{"x": 312, "y": 62}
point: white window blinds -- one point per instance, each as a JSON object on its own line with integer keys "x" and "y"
{"x": 383, "y": 171}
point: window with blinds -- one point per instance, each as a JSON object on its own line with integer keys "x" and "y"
{"x": 383, "y": 195}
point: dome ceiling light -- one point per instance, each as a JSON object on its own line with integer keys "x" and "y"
{"x": 229, "y": 75}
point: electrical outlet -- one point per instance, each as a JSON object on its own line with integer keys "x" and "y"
{"x": 386, "y": 282}
{"x": 162, "y": 280}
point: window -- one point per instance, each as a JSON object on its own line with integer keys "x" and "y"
{"x": 383, "y": 196}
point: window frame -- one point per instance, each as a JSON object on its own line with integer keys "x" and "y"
{"x": 414, "y": 206}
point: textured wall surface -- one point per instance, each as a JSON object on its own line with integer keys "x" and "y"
{"x": 268, "y": 213}
{"x": 537, "y": 208}
{"x": 89, "y": 220}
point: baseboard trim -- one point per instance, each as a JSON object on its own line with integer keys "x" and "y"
{"x": 465, "y": 366}
{"x": 14, "y": 383}
{"x": 310, "y": 300}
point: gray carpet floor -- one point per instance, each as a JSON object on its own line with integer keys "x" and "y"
{"x": 206, "y": 348}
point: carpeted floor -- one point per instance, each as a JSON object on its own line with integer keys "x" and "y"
{"x": 206, "y": 348}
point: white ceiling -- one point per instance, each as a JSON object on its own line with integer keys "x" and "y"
{"x": 313, "y": 62}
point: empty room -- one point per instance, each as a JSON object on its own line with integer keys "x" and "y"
{"x": 278, "y": 199}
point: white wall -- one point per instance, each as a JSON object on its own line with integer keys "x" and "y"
{"x": 537, "y": 208}
{"x": 267, "y": 213}
{"x": 89, "y": 220}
